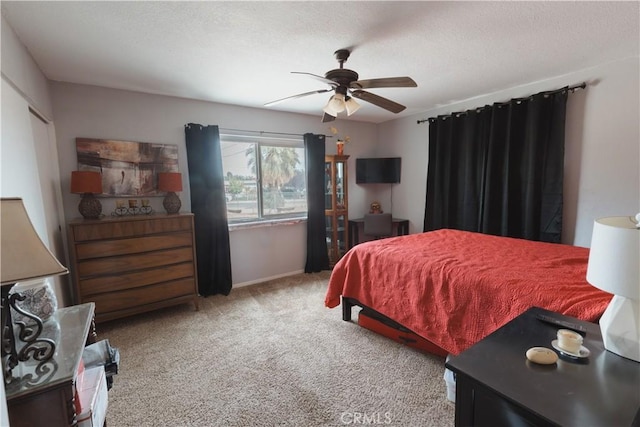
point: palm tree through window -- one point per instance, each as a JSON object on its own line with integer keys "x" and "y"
{"x": 264, "y": 178}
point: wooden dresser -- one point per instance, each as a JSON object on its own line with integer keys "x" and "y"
{"x": 128, "y": 265}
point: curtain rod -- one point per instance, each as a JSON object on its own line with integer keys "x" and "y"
{"x": 261, "y": 132}
{"x": 571, "y": 89}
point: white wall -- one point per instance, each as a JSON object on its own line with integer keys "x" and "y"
{"x": 21, "y": 71}
{"x": 602, "y": 148}
{"x": 22, "y": 86}
{"x": 95, "y": 112}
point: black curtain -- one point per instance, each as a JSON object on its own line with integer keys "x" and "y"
{"x": 209, "y": 206}
{"x": 317, "y": 255}
{"x": 499, "y": 169}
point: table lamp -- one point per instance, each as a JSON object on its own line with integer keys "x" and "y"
{"x": 170, "y": 182}
{"x": 87, "y": 183}
{"x": 614, "y": 267}
{"x": 24, "y": 257}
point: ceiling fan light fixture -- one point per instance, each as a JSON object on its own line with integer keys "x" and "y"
{"x": 335, "y": 104}
{"x": 328, "y": 108}
{"x": 343, "y": 81}
{"x": 352, "y": 106}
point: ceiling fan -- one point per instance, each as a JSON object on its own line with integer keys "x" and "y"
{"x": 346, "y": 86}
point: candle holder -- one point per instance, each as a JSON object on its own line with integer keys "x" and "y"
{"x": 146, "y": 210}
{"x": 133, "y": 209}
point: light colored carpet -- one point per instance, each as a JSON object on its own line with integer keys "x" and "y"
{"x": 268, "y": 354}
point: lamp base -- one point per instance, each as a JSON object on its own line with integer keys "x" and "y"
{"x": 172, "y": 203}
{"x": 90, "y": 207}
{"x": 33, "y": 346}
{"x": 620, "y": 327}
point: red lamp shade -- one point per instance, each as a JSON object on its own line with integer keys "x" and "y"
{"x": 170, "y": 181}
{"x": 86, "y": 182}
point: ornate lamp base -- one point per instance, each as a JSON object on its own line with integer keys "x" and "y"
{"x": 172, "y": 203}
{"x": 90, "y": 207}
{"x": 40, "y": 349}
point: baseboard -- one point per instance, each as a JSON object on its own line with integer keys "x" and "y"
{"x": 266, "y": 279}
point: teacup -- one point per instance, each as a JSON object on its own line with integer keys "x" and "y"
{"x": 569, "y": 341}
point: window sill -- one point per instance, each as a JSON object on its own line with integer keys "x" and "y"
{"x": 266, "y": 223}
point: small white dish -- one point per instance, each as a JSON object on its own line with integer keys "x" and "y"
{"x": 584, "y": 351}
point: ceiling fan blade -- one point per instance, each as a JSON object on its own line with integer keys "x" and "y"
{"x": 322, "y": 79}
{"x": 381, "y": 102}
{"x": 269, "y": 104}
{"x": 327, "y": 118}
{"x": 386, "y": 82}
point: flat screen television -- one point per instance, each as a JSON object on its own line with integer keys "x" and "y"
{"x": 380, "y": 170}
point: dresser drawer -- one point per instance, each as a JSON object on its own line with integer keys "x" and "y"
{"x": 125, "y": 263}
{"x": 107, "y": 248}
{"x": 130, "y": 228}
{"x": 133, "y": 298}
{"x": 136, "y": 279}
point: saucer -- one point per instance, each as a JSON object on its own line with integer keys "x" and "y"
{"x": 584, "y": 351}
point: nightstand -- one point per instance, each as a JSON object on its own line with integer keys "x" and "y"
{"x": 43, "y": 394}
{"x": 497, "y": 386}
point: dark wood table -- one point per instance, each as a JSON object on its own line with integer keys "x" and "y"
{"x": 401, "y": 226}
{"x": 497, "y": 386}
{"x": 43, "y": 393}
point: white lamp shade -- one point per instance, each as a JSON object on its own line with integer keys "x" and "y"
{"x": 352, "y": 106}
{"x": 335, "y": 105}
{"x": 614, "y": 258}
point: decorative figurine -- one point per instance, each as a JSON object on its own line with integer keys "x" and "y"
{"x": 375, "y": 208}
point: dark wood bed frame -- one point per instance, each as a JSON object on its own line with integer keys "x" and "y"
{"x": 385, "y": 326}
{"x": 347, "y": 305}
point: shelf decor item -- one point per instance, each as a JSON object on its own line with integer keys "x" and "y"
{"x": 375, "y": 207}
{"x": 120, "y": 209}
{"x": 24, "y": 257}
{"x": 146, "y": 208}
{"x": 614, "y": 267}
{"x": 170, "y": 182}
{"x": 87, "y": 183}
{"x": 340, "y": 142}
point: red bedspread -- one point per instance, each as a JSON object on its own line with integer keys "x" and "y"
{"x": 455, "y": 287}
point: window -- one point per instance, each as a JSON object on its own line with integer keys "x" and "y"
{"x": 264, "y": 178}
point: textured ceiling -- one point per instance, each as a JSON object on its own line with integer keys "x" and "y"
{"x": 242, "y": 53}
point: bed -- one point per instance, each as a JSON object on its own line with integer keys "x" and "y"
{"x": 453, "y": 287}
